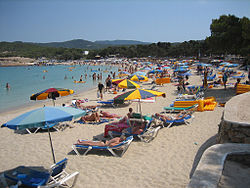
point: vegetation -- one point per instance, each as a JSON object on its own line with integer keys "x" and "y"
{"x": 229, "y": 35}
{"x": 8, "y": 49}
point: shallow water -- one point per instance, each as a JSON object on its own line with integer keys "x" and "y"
{"x": 27, "y": 80}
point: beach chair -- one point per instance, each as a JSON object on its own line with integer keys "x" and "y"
{"x": 185, "y": 119}
{"x": 241, "y": 76}
{"x": 147, "y": 135}
{"x": 111, "y": 103}
{"x": 123, "y": 145}
{"x": 107, "y": 103}
{"x": 211, "y": 78}
{"x": 34, "y": 130}
{"x": 178, "y": 109}
{"x": 39, "y": 177}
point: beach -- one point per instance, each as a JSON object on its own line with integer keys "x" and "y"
{"x": 167, "y": 161}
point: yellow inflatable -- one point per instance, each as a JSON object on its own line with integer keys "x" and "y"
{"x": 161, "y": 81}
{"x": 79, "y": 81}
{"x": 207, "y": 104}
{"x": 242, "y": 88}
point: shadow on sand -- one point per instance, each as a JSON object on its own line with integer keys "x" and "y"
{"x": 222, "y": 95}
{"x": 210, "y": 142}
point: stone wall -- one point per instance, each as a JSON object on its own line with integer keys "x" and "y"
{"x": 231, "y": 132}
{"x": 235, "y": 123}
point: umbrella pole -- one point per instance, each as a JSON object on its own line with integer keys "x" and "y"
{"x": 140, "y": 111}
{"x": 52, "y": 149}
{"x": 53, "y": 102}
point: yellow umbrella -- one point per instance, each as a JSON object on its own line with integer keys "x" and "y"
{"x": 139, "y": 78}
{"x": 128, "y": 84}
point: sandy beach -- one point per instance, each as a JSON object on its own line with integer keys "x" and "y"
{"x": 167, "y": 161}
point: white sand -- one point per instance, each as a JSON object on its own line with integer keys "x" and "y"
{"x": 164, "y": 162}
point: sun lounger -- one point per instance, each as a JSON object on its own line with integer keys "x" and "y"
{"x": 102, "y": 120}
{"x": 110, "y": 103}
{"x": 178, "y": 109}
{"x": 125, "y": 144}
{"x": 39, "y": 177}
{"x": 241, "y": 76}
{"x": 107, "y": 103}
{"x": 34, "y": 130}
{"x": 148, "y": 134}
{"x": 186, "y": 120}
{"x": 211, "y": 78}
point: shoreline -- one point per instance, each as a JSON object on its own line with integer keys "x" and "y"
{"x": 40, "y": 103}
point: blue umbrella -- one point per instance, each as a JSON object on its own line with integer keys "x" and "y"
{"x": 138, "y": 73}
{"x": 155, "y": 71}
{"x": 146, "y": 68}
{"x": 42, "y": 117}
{"x": 180, "y": 69}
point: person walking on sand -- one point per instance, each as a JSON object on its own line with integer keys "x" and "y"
{"x": 100, "y": 89}
{"x": 224, "y": 79}
{"x": 108, "y": 82}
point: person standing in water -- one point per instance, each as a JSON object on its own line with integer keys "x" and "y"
{"x": 7, "y": 86}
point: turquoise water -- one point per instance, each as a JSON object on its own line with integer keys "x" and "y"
{"x": 25, "y": 81}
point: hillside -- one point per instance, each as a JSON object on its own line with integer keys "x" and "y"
{"x": 85, "y": 44}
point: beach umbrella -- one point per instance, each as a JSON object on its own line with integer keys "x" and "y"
{"x": 180, "y": 69}
{"x": 139, "y": 78}
{"x": 117, "y": 81}
{"x": 165, "y": 67}
{"x": 43, "y": 117}
{"x": 139, "y": 73}
{"x": 224, "y": 63}
{"x": 137, "y": 94}
{"x": 146, "y": 68}
{"x": 128, "y": 84}
{"x": 124, "y": 72}
{"x": 155, "y": 71}
{"x": 51, "y": 93}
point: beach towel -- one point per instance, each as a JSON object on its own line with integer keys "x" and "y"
{"x": 93, "y": 122}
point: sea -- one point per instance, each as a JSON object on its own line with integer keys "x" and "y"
{"x": 27, "y": 80}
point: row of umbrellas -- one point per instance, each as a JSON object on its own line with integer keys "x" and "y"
{"x": 43, "y": 117}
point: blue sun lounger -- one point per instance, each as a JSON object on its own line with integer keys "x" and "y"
{"x": 187, "y": 120}
{"x": 107, "y": 103}
{"x": 241, "y": 76}
{"x": 40, "y": 177}
{"x": 125, "y": 144}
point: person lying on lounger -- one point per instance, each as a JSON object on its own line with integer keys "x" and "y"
{"x": 108, "y": 115}
{"x": 136, "y": 129}
{"x": 92, "y": 117}
{"x": 89, "y": 107}
{"x": 110, "y": 143}
{"x": 180, "y": 115}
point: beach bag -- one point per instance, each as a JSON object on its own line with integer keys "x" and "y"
{"x": 98, "y": 94}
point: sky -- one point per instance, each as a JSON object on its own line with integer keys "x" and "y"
{"x": 143, "y": 20}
